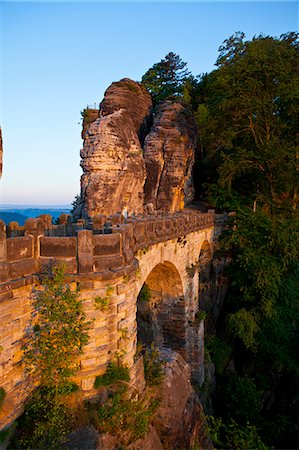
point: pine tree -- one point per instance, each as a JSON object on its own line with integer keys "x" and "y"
{"x": 166, "y": 78}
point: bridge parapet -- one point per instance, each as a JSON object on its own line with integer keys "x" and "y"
{"x": 98, "y": 248}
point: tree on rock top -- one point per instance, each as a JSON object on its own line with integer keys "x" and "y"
{"x": 166, "y": 78}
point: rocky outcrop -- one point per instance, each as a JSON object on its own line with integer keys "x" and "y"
{"x": 169, "y": 156}
{"x": 179, "y": 420}
{"x": 88, "y": 117}
{"x": 112, "y": 160}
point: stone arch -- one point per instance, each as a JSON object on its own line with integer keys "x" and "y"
{"x": 161, "y": 309}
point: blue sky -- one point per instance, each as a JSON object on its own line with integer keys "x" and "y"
{"x": 57, "y": 57}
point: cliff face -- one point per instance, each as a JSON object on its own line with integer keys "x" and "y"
{"x": 128, "y": 164}
{"x": 112, "y": 160}
{"x": 169, "y": 156}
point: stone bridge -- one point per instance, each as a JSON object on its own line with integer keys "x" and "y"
{"x": 157, "y": 273}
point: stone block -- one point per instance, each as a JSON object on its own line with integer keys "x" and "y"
{"x": 5, "y": 296}
{"x": 4, "y": 272}
{"x": 107, "y": 262}
{"x": 150, "y": 230}
{"x": 3, "y": 252}
{"x": 123, "y": 288}
{"x": 169, "y": 227}
{"x": 87, "y": 384}
{"x": 159, "y": 228}
{"x": 2, "y": 230}
{"x": 121, "y": 307}
{"x": 19, "y": 269}
{"x": 58, "y": 246}
{"x": 19, "y": 248}
{"x": 88, "y": 363}
{"x": 139, "y": 233}
{"x": 107, "y": 244}
{"x": 85, "y": 251}
{"x": 84, "y": 285}
{"x": 22, "y": 291}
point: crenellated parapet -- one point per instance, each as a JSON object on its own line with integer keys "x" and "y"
{"x": 107, "y": 244}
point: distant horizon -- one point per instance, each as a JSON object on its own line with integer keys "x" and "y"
{"x": 57, "y": 57}
{"x": 35, "y": 206}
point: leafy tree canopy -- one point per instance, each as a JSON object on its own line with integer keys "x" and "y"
{"x": 248, "y": 120}
{"x": 166, "y": 78}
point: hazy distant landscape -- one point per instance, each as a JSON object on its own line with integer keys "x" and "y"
{"x": 20, "y": 213}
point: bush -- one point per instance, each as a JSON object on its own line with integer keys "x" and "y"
{"x": 153, "y": 372}
{"x": 113, "y": 375}
{"x": 145, "y": 294}
{"x": 126, "y": 419}
{"x": 241, "y": 398}
{"x": 219, "y": 352}
{"x": 44, "y": 423}
{"x": 53, "y": 344}
{"x": 232, "y": 436}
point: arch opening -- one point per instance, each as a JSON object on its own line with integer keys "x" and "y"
{"x": 161, "y": 314}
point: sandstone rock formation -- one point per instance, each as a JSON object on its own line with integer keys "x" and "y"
{"x": 169, "y": 156}
{"x": 179, "y": 420}
{"x": 89, "y": 116}
{"x": 112, "y": 160}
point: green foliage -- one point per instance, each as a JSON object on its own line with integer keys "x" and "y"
{"x": 153, "y": 371}
{"x": 264, "y": 251}
{"x": 200, "y": 315}
{"x": 76, "y": 202}
{"x": 248, "y": 118}
{"x": 145, "y": 293}
{"x": 244, "y": 325}
{"x": 243, "y": 401}
{"x": 232, "y": 436}
{"x": 219, "y": 352}
{"x": 126, "y": 419}
{"x": 102, "y": 303}
{"x": 2, "y": 396}
{"x": 166, "y": 78}
{"x": 58, "y": 334}
{"x": 247, "y": 115}
{"x": 131, "y": 87}
{"x": 4, "y": 435}
{"x": 114, "y": 374}
{"x": 44, "y": 423}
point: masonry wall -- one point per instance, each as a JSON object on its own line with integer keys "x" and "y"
{"x": 95, "y": 259}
